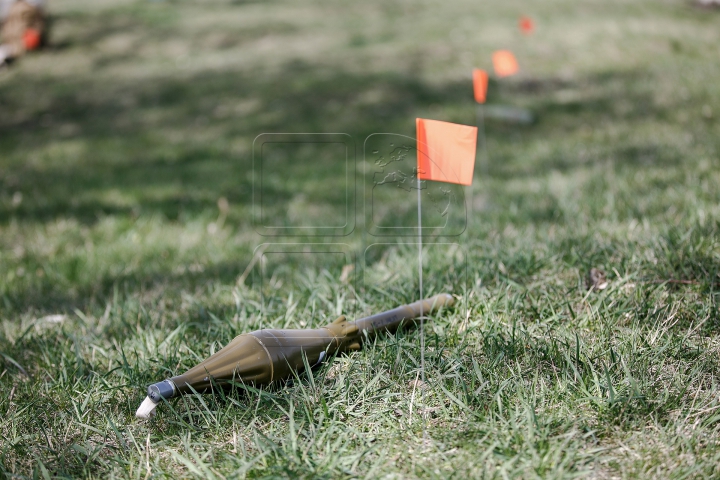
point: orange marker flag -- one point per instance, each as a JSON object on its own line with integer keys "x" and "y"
{"x": 526, "y": 25}
{"x": 504, "y": 63}
{"x": 445, "y": 151}
{"x": 480, "y": 85}
{"x": 31, "y": 39}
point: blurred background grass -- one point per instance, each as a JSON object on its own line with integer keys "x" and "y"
{"x": 119, "y": 143}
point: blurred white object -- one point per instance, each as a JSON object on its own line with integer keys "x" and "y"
{"x": 58, "y": 318}
{"x": 509, "y": 114}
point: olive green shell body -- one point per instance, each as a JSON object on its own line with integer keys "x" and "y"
{"x": 265, "y": 357}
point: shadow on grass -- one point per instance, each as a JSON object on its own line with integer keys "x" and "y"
{"x": 171, "y": 146}
{"x": 174, "y": 145}
{"x": 565, "y": 108}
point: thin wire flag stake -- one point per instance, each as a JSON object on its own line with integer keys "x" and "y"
{"x": 422, "y": 318}
{"x": 480, "y": 87}
{"x": 480, "y": 121}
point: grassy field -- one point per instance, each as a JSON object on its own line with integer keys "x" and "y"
{"x": 128, "y": 240}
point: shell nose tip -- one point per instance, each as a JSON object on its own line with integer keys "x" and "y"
{"x": 146, "y": 409}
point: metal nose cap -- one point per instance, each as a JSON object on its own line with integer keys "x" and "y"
{"x": 160, "y": 390}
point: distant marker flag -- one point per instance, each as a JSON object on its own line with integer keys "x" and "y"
{"x": 504, "y": 63}
{"x": 445, "y": 151}
{"x": 480, "y": 85}
{"x": 526, "y": 25}
{"x": 31, "y": 39}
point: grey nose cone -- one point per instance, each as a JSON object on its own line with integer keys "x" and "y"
{"x": 160, "y": 390}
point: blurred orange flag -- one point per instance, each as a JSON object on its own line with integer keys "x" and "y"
{"x": 526, "y": 25}
{"x": 31, "y": 39}
{"x": 445, "y": 151}
{"x": 480, "y": 85}
{"x": 504, "y": 63}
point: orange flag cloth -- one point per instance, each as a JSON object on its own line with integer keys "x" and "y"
{"x": 445, "y": 151}
{"x": 480, "y": 85}
{"x": 504, "y": 63}
{"x": 31, "y": 39}
{"x": 526, "y": 25}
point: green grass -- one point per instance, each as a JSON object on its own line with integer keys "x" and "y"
{"x": 121, "y": 266}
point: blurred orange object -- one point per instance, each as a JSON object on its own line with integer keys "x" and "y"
{"x": 526, "y": 25}
{"x": 445, "y": 151}
{"x": 504, "y": 63}
{"x": 31, "y": 39}
{"x": 480, "y": 85}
